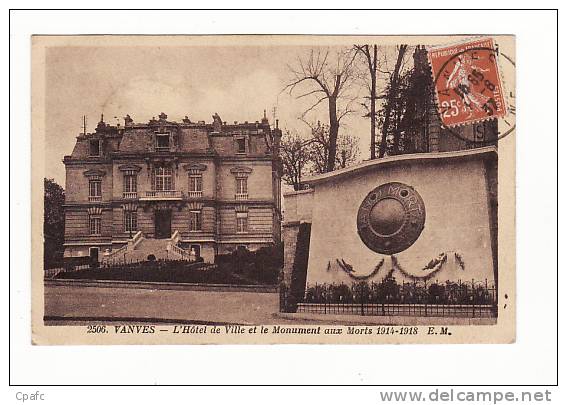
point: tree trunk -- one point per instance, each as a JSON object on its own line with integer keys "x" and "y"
{"x": 373, "y": 68}
{"x": 397, "y": 132}
{"x": 333, "y": 134}
{"x": 390, "y": 100}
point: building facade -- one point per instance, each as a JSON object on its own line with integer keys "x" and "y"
{"x": 169, "y": 189}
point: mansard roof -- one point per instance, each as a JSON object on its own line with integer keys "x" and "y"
{"x": 186, "y": 136}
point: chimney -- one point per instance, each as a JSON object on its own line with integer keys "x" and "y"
{"x": 265, "y": 118}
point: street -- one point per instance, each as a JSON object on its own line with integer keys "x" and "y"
{"x": 73, "y": 303}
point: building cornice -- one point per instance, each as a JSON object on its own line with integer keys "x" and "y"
{"x": 89, "y": 161}
{"x": 117, "y": 157}
{"x": 118, "y": 202}
{"x": 146, "y": 154}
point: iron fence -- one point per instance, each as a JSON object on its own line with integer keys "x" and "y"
{"x": 420, "y": 298}
{"x": 129, "y": 265}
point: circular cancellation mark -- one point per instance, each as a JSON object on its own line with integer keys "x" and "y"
{"x": 468, "y": 88}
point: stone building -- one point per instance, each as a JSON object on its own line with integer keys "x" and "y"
{"x": 174, "y": 190}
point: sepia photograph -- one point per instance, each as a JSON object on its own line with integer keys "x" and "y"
{"x": 273, "y": 189}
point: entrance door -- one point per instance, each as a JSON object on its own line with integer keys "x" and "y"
{"x": 197, "y": 249}
{"x": 163, "y": 224}
{"x": 93, "y": 253}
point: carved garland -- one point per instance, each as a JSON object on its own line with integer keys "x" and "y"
{"x": 347, "y": 268}
{"x": 460, "y": 261}
{"x": 435, "y": 265}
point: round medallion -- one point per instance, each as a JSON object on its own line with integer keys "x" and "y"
{"x": 391, "y": 218}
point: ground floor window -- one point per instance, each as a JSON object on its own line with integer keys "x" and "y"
{"x": 94, "y": 225}
{"x": 195, "y": 221}
{"x": 130, "y": 221}
{"x": 241, "y": 222}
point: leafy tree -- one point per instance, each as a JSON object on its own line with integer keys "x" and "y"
{"x": 404, "y": 116}
{"x": 53, "y": 223}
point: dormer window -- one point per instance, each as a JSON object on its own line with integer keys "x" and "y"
{"x": 162, "y": 142}
{"x": 240, "y": 145}
{"x": 94, "y": 148}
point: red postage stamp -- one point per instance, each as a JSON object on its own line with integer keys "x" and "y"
{"x": 467, "y": 82}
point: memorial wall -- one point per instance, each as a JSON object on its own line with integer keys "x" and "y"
{"x": 419, "y": 217}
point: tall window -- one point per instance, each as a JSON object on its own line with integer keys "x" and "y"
{"x": 162, "y": 141}
{"x": 195, "y": 185}
{"x": 195, "y": 182}
{"x": 162, "y": 178}
{"x": 130, "y": 185}
{"x": 195, "y": 221}
{"x": 130, "y": 221}
{"x": 94, "y": 224}
{"x": 242, "y": 186}
{"x": 95, "y": 190}
{"x": 241, "y": 222}
{"x": 94, "y": 147}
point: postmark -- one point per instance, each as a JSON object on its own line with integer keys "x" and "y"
{"x": 467, "y": 83}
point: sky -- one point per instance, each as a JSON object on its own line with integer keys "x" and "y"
{"x": 237, "y": 82}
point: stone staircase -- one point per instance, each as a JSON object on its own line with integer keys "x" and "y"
{"x": 139, "y": 248}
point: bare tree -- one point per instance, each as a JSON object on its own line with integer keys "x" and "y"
{"x": 326, "y": 78}
{"x": 347, "y": 150}
{"x": 369, "y": 54}
{"x": 319, "y": 149}
{"x": 295, "y": 156}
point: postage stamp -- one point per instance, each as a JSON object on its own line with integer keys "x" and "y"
{"x": 467, "y": 82}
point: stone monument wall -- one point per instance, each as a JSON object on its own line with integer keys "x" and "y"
{"x": 458, "y": 239}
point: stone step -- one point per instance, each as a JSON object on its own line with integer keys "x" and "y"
{"x": 147, "y": 247}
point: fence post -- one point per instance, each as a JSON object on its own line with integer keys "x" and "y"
{"x": 324, "y": 288}
{"x": 473, "y": 299}
{"x": 426, "y": 295}
{"x": 361, "y": 299}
